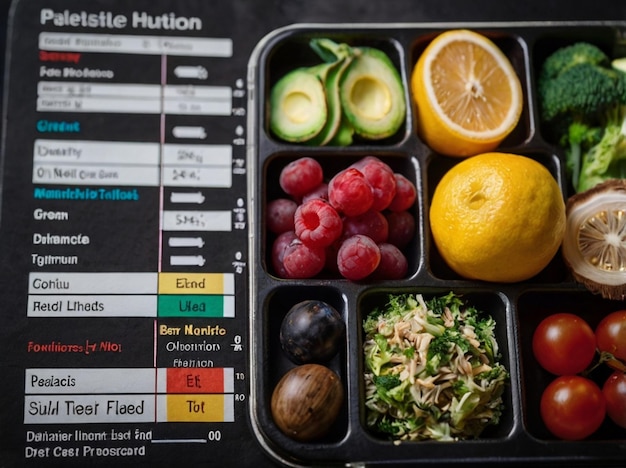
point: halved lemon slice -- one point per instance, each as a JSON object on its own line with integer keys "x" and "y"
{"x": 467, "y": 94}
{"x": 594, "y": 247}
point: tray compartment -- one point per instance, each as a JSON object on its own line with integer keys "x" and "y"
{"x": 489, "y": 303}
{"x": 533, "y": 307}
{"x": 514, "y": 48}
{"x": 277, "y": 304}
{"x": 294, "y": 52}
{"x": 555, "y": 272}
{"x": 332, "y": 162}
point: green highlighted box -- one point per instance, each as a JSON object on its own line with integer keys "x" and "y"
{"x": 191, "y": 306}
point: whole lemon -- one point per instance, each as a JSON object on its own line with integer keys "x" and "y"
{"x": 497, "y": 217}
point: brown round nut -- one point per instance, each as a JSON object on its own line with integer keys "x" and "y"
{"x": 306, "y": 401}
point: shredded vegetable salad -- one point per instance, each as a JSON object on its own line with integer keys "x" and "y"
{"x": 431, "y": 369}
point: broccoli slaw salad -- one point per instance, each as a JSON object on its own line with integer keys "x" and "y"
{"x": 432, "y": 369}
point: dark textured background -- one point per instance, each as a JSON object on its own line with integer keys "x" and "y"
{"x": 294, "y": 11}
{"x": 276, "y": 13}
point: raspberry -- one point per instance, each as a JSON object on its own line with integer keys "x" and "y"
{"x": 317, "y": 224}
{"x": 382, "y": 180}
{"x": 301, "y": 176}
{"x": 279, "y": 215}
{"x": 278, "y": 252}
{"x": 302, "y": 261}
{"x": 372, "y": 224}
{"x": 361, "y": 163}
{"x": 350, "y": 193}
{"x": 358, "y": 257}
{"x": 321, "y": 191}
{"x": 406, "y": 193}
{"x": 393, "y": 264}
{"x": 401, "y": 228}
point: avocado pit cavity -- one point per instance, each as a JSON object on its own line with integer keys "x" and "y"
{"x": 371, "y": 98}
{"x": 298, "y": 107}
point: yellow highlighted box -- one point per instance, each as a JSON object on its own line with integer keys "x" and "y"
{"x": 196, "y": 283}
{"x": 195, "y": 408}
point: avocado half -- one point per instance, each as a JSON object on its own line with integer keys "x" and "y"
{"x": 298, "y": 103}
{"x": 372, "y": 94}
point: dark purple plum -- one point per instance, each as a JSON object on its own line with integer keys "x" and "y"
{"x": 312, "y": 332}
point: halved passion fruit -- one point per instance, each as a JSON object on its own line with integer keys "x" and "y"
{"x": 594, "y": 247}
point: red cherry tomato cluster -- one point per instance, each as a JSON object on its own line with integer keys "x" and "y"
{"x": 573, "y": 406}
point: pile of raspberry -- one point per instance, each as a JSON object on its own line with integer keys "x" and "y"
{"x": 356, "y": 225}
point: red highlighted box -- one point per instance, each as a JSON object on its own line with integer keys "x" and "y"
{"x": 195, "y": 380}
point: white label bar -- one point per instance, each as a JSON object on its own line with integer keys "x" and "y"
{"x": 99, "y": 175}
{"x": 131, "y": 105}
{"x": 78, "y": 89}
{"x": 93, "y": 283}
{"x": 191, "y": 106}
{"x": 80, "y": 409}
{"x": 76, "y": 381}
{"x": 229, "y": 302}
{"x": 218, "y": 93}
{"x": 95, "y": 104}
{"x": 197, "y": 72}
{"x": 196, "y": 198}
{"x": 188, "y": 220}
{"x": 92, "y": 306}
{"x": 187, "y": 260}
{"x": 185, "y": 176}
{"x": 189, "y": 132}
{"x": 197, "y": 242}
{"x": 198, "y": 155}
{"x": 144, "y": 45}
{"x": 102, "y": 152}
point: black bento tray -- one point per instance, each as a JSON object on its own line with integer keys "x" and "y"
{"x": 517, "y": 308}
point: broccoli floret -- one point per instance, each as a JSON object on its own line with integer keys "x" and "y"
{"x": 438, "y": 304}
{"x": 386, "y": 382}
{"x": 438, "y": 353}
{"x": 387, "y": 388}
{"x": 579, "y": 138}
{"x": 566, "y": 57}
{"x": 387, "y": 426}
{"x": 581, "y": 93}
{"x": 484, "y": 327}
{"x": 583, "y": 107}
{"x": 370, "y": 324}
{"x": 396, "y": 427}
{"x": 377, "y": 354}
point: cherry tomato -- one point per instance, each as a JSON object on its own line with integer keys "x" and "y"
{"x": 572, "y": 407}
{"x": 614, "y": 390}
{"x": 564, "y": 344}
{"x": 611, "y": 338}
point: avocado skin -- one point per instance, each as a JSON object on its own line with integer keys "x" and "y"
{"x": 334, "y": 122}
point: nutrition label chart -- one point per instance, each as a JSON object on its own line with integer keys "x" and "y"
{"x": 128, "y": 165}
